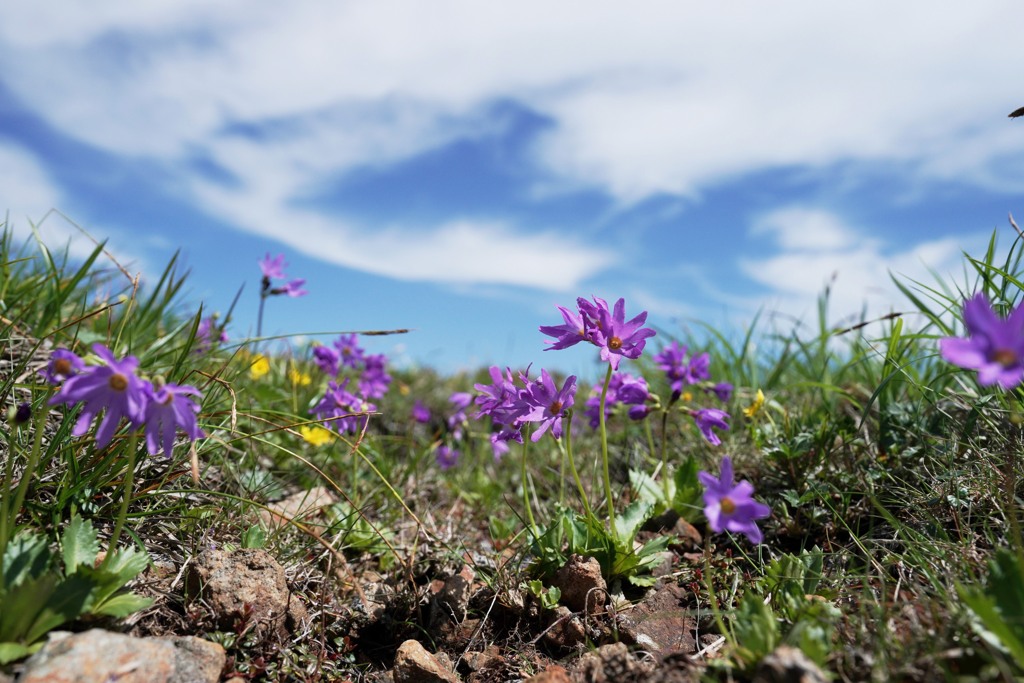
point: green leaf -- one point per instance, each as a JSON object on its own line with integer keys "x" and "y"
{"x": 688, "y": 491}
{"x": 254, "y": 537}
{"x": 10, "y": 652}
{"x": 121, "y": 566}
{"x": 27, "y": 556}
{"x": 632, "y": 518}
{"x": 999, "y": 608}
{"x": 22, "y": 606}
{"x": 122, "y": 605}
{"x": 79, "y": 544}
{"x": 69, "y": 601}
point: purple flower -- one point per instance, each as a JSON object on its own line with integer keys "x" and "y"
{"x": 672, "y": 360}
{"x": 447, "y": 457}
{"x": 375, "y": 380}
{"x": 617, "y": 338}
{"x": 730, "y": 507}
{"x": 351, "y": 353}
{"x": 499, "y": 441}
{"x": 500, "y": 399}
{"x": 995, "y": 347}
{"x": 420, "y": 412}
{"x": 461, "y": 400}
{"x": 63, "y": 365}
{"x": 273, "y": 268}
{"x": 706, "y": 418}
{"x": 722, "y": 391}
{"x": 699, "y": 368}
{"x": 292, "y": 288}
{"x": 339, "y": 409}
{"x": 169, "y": 408}
{"x": 326, "y": 359}
{"x": 569, "y": 334}
{"x": 205, "y": 333}
{"x": 113, "y": 387}
{"x": 546, "y": 404}
{"x": 623, "y": 388}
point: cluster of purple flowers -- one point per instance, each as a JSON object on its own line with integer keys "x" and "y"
{"x": 511, "y": 406}
{"x": 273, "y": 269}
{"x": 209, "y": 333}
{"x": 338, "y": 403}
{"x": 624, "y": 389}
{"x": 605, "y": 328}
{"x": 114, "y": 388}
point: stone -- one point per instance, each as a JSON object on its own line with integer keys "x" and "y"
{"x": 98, "y": 655}
{"x": 612, "y": 664}
{"x": 788, "y": 665}
{"x": 413, "y": 664}
{"x": 583, "y": 588}
{"x": 453, "y": 598}
{"x": 300, "y": 506}
{"x": 661, "y": 623}
{"x": 552, "y": 674}
{"x": 565, "y": 630}
{"x": 244, "y": 589}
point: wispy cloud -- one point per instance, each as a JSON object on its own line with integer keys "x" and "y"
{"x": 857, "y": 269}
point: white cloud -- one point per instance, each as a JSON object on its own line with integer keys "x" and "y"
{"x": 665, "y": 97}
{"x": 856, "y": 269}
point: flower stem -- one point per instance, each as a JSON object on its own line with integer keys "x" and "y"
{"x": 11, "y": 513}
{"x": 572, "y": 466}
{"x": 126, "y": 498}
{"x": 259, "y": 317}
{"x": 526, "y": 489}
{"x": 604, "y": 455}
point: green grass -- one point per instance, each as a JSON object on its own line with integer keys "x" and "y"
{"x": 886, "y": 468}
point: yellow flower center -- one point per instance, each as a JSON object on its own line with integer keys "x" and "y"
{"x": 555, "y": 407}
{"x": 728, "y": 507}
{"x": 118, "y": 382}
{"x": 1005, "y": 357}
{"x": 62, "y": 366}
{"x": 614, "y": 343}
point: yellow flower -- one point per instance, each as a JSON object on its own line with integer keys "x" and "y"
{"x": 317, "y": 436}
{"x": 686, "y": 397}
{"x": 260, "y": 366}
{"x": 298, "y": 377}
{"x": 755, "y": 407}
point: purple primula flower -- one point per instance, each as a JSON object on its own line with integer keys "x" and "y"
{"x": 618, "y": 338}
{"x": 420, "y": 412}
{"x": 375, "y": 380}
{"x": 995, "y": 346}
{"x": 572, "y": 332}
{"x": 730, "y": 507}
{"x": 447, "y": 457}
{"x": 339, "y": 408}
{"x": 708, "y": 418}
{"x": 352, "y": 355}
{"x": 672, "y": 360}
{"x": 699, "y": 368}
{"x": 623, "y": 388}
{"x": 273, "y": 268}
{"x": 500, "y": 399}
{"x": 169, "y": 407}
{"x": 292, "y": 288}
{"x": 499, "y": 441}
{"x": 113, "y": 387}
{"x": 207, "y": 334}
{"x": 326, "y": 359}
{"x": 460, "y": 400}
{"x": 63, "y": 365}
{"x": 546, "y": 404}
{"x": 722, "y": 391}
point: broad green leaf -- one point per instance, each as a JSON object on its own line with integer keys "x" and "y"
{"x": 122, "y": 605}
{"x": 69, "y": 601}
{"x": 10, "y": 652}
{"x": 254, "y": 537}
{"x": 632, "y": 518}
{"x": 22, "y": 605}
{"x": 27, "y": 556}
{"x": 79, "y": 544}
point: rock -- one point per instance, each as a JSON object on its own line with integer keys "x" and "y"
{"x": 661, "y": 623}
{"x": 99, "y": 655}
{"x": 244, "y": 589}
{"x": 552, "y": 674}
{"x": 583, "y": 588}
{"x": 788, "y": 665}
{"x": 413, "y": 664}
{"x": 612, "y": 664}
{"x": 298, "y": 506}
{"x": 565, "y": 630}
{"x": 452, "y": 599}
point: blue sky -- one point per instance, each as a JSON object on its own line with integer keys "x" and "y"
{"x": 461, "y": 167}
